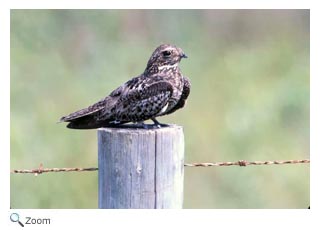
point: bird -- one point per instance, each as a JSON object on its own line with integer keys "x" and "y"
{"x": 160, "y": 90}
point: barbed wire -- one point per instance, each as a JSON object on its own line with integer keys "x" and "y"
{"x": 247, "y": 163}
{"x": 41, "y": 170}
{"x": 241, "y": 163}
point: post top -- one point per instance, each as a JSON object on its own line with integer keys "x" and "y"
{"x": 131, "y": 128}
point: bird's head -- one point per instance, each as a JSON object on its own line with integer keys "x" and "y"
{"x": 165, "y": 56}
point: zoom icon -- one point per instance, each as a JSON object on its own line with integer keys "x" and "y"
{"x": 14, "y": 217}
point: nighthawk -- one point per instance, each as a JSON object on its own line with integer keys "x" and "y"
{"x": 160, "y": 90}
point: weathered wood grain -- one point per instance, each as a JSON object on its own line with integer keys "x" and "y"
{"x": 141, "y": 168}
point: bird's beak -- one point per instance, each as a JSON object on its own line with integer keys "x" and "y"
{"x": 183, "y": 55}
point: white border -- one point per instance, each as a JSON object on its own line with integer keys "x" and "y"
{"x": 4, "y": 113}
{"x": 314, "y": 108}
{"x": 160, "y": 219}
{"x": 163, "y": 4}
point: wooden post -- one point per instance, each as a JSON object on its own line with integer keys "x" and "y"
{"x": 141, "y": 168}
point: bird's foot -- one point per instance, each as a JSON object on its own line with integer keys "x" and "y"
{"x": 142, "y": 125}
{"x": 157, "y": 124}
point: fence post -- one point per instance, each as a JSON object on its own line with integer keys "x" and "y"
{"x": 141, "y": 168}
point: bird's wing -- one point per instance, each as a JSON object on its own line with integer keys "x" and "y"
{"x": 138, "y": 98}
{"x": 139, "y": 102}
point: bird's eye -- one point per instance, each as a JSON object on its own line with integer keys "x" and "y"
{"x": 166, "y": 53}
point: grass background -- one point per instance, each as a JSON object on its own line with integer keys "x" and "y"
{"x": 250, "y": 99}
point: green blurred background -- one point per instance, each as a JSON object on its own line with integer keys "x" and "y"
{"x": 249, "y": 100}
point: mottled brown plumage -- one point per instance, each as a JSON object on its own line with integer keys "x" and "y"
{"x": 159, "y": 90}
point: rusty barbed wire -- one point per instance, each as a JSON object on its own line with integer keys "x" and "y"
{"x": 246, "y": 163}
{"x": 242, "y": 163}
{"x": 41, "y": 170}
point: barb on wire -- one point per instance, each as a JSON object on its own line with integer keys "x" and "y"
{"x": 41, "y": 170}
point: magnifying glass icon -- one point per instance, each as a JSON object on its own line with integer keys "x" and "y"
{"x": 14, "y": 217}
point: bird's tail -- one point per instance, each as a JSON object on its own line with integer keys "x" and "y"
{"x": 88, "y": 118}
{"x": 87, "y": 122}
